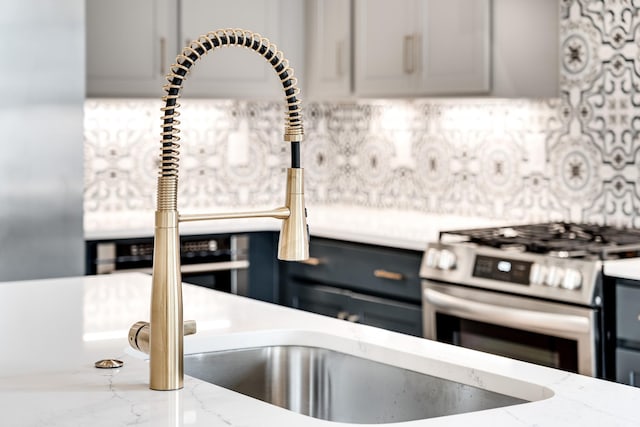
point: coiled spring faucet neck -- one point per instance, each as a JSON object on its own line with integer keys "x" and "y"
{"x": 166, "y": 327}
{"x": 293, "y": 130}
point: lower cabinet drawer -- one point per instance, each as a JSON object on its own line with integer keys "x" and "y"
{"x": 391, "y": 315}
{"x": 628, "y": 312}
{"x": 362, "y": 268}
{"x": 350, "y": 306}
{"x": 628, "y": 367}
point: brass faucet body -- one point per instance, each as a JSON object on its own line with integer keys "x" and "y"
{"x": 166, "y": 352}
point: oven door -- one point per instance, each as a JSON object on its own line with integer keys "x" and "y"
{"x": 546, "y": 333}
{"x": 216, "y": 262}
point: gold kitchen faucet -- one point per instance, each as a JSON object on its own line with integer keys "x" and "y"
{"x": 166, "y": 357}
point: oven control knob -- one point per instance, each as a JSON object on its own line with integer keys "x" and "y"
{"x": 538, "y": 274}
{"x": 572, "y": 279}
{"x": 554, "y": 276}
{"x": 432, "y": 257}
{"x": 447, "y": 260}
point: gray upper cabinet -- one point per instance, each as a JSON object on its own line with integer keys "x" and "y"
{"x": 434, "y": 47}
{"x": 239, "y": 72}
{"x": 130, "y": 46}
{"x": 329, "y": 65}
{"x": 338, "y": 48}
{"x": 416, "y": 48}
{"x": 526, "y": 48}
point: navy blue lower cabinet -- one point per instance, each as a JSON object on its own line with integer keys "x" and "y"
{"x": 263, "y": 272}
{"x": 372, "y": 285}
{"x": 628, "y": 367}
{"x": 358, "y": 308}
{"x": 387, "y": 314}
{"x": 318, "y": 299}
{"x": 627, "y": 332}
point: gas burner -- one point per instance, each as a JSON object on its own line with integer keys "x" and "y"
{"x": 558, "y": 239}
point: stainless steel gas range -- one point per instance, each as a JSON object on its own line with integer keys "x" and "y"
{"x": 530, "y": 292}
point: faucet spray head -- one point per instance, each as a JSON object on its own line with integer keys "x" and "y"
{"x": 294, "y": 236}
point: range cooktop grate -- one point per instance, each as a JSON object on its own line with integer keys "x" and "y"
{"x": 558, "y": 239}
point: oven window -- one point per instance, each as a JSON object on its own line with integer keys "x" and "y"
{"x": 517, "y": 344}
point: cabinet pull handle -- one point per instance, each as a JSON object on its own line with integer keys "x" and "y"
{"x": 408, "y": 54}
{"x": 345, "y": 315}
{"x": 353, "y": 318}
{"x": 311, "y": 261}
{"x": 384, "y": 274}
{"x": 163, "y": 54}
{"x": 340, "y": 58}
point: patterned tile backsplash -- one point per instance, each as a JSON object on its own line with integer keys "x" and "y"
{"x": 571, "y": 158}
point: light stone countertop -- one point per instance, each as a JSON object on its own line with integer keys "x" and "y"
{"x": 386, "y": 227}
{"x": 623, "y": 268}
{"x": 54, "y": 330}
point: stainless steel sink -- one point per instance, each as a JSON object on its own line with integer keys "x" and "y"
{"x": 335, "y": 386}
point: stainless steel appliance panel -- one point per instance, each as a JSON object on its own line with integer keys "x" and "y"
{"x": 550, "y": 319}
{"x": 218, "y": 262}
{"x": 534, "y": 292}
{"x": 465, "y": 255}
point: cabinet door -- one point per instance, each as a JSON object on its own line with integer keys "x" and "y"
{"x": 430, "y": 47}
{"x": 324, "y": 300}
{"x": 455, "y": 47}
{"x": 526, "y": 60}
{"x": 130, "y": 45}
{"x": 383, "y": 313}
{"x": 354, "y": 307}
{"x": 329, "y": 48}
{"x": 628, "y": 312}
{"x": 386, "y": 55}
{"x": 628, "y": 367}
{"x": 239, "y": 72}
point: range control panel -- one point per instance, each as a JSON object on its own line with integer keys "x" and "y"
{"x": 502, "y": 269}
{"x": 551, "y": 277}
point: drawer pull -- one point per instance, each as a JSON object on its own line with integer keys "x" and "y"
{"x": 409, "y": 54}
{"x": 384, "y": 274}
{"x": 345, "y": 315}
{"x": 632, "y": 379}
{"x": 311, "y": 261}
{"x": 353, "y": 318}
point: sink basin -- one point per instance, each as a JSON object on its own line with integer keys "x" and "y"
{"x": 335, "y": 386}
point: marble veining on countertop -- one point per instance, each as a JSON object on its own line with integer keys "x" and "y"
{"x": 47, "y": 376}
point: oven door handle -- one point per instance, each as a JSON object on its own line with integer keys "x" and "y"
{"x": 196, "y": 268}
{"x": 514, "y": 317}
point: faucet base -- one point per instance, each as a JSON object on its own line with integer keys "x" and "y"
{"x": 166, "y": 326}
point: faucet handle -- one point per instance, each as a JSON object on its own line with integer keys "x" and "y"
{"x": 139, "y": 334}
{"x": 189, "y": 327}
